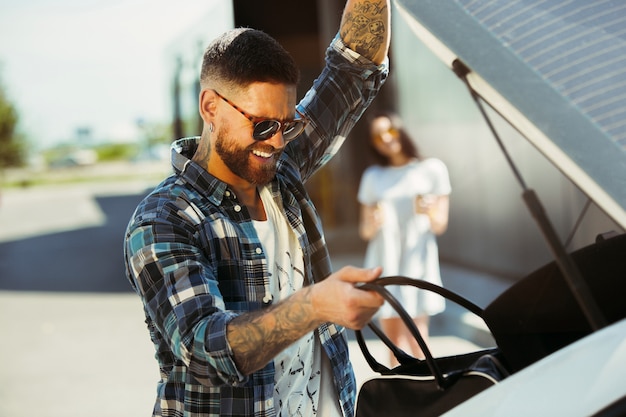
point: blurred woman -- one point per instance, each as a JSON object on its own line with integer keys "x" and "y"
{"x": 404, "y": 202}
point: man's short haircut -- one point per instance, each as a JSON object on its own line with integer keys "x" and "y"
{"x": 242, "y": 56}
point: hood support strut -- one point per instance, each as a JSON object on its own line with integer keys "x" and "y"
{"x": 570, "y": 271}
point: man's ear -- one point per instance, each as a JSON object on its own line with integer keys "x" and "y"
{"x": 207, "y": 105}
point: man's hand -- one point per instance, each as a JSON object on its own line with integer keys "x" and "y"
{"x": 337, "y": 300}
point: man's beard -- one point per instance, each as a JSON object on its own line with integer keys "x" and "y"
{"x": 237, "y": 159}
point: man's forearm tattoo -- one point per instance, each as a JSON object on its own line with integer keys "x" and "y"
{"x": 363, "y": 28}
{"x": 256, "y": 340}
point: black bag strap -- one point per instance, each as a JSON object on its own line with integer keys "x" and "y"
{"x": 428, "y": 286}
{"x": 402, "y": 357}
{"x": 378, "y": 285}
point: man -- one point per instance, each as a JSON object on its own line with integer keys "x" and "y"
{"x": 228, "y": 254}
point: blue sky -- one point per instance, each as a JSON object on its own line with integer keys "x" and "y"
{"x": 101, "y": 64}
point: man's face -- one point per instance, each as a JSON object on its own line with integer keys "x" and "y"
{"x": 240, "y": 154}
{"x": 255, "y": 163}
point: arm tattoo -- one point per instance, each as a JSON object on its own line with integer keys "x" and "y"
{"x": 363, "y": 28}
{"x": 257, "y": 337}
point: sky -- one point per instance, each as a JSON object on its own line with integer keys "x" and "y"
{"x": 97, "y": 64}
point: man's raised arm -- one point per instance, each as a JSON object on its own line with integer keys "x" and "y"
{"x": 365, "y": 28}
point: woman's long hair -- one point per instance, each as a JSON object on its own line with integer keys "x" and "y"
{"x": 409, "y": 148}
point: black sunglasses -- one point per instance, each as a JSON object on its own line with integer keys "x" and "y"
{"x": 264, "y": 128}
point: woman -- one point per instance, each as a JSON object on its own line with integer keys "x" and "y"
{"x": 404, "y": 205}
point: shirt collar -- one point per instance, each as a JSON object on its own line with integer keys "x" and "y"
{"x": 195, "y": 175}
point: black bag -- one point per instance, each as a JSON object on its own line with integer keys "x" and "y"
{"x": 540, "y": 314}
{"x": 428, "y": 387}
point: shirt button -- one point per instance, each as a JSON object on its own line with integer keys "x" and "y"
{"x": 258, "y": 250}
{"x": 237, "y": 208}
{"x": 269, "y": 402}
{"x": 227, "y": 193}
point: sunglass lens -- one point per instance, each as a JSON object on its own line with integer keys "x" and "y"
{"x": 268, "y": 128}
{"x": 265, "y": 129}
{"x": 293, "y": 129}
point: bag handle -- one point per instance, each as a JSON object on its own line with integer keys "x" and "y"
{"x": 378, "y": 285}
{"x": 428, "y": 286}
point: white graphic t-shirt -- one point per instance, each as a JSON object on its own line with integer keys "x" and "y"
{"x": 300, "y": 375}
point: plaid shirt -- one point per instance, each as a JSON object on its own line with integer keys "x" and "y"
{"x": 193, "y": 256}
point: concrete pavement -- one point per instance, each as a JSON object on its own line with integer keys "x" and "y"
{"x": 76, "y": 345}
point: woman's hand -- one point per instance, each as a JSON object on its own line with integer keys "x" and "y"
{"x": 436, "y": 207}
{"x": 371, "y": 220}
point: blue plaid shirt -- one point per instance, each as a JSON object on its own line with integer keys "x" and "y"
{"x": 193, "y": 256}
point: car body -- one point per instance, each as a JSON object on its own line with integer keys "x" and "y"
{"x": 582, "y": 379}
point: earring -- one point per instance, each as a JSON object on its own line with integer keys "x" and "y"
{"x": 211, "y": 128}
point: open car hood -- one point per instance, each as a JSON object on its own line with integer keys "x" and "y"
{"x": 555, "y": 70}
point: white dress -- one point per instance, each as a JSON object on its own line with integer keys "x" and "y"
{"x": 405, "y": 244}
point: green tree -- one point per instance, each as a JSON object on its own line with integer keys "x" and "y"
{"x": 11, "y": 144}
